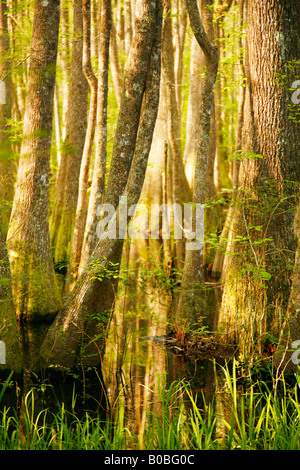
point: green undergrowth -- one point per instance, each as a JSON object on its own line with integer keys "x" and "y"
{"x": 258, "y": 418}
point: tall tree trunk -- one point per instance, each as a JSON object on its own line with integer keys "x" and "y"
{"x": 34, "y": 287}
{"x": 82, "y": 203}
{"x": 290, "y": 336}
{"x": 7, "y": 167}
{"x": 181, "y": 191}
{"x": 258, "y": 278}
{"x": 115, "y": 65}
{"x": 64, "y": 207}
{"x": 193, "y": 112}
{"x": 87, "y": 311}
{"x": 224, "y": 243}
{"x": 192, "y": 300}
{"x": 8, "y": 324}
{"x": 98, "y": 181}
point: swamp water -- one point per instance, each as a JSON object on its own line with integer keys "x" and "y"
{"x": 138, "y": 371}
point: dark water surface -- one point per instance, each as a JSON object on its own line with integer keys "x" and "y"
{"x": 137, "y": 368}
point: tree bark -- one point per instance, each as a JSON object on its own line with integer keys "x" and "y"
{"x": 34, "y": 287}
{"x": 98, "y": 181}
{"x": 284, "y": 359}
{"x": 257, "y": 286}
{"x": 64, "y": 207}
{"x": 224, "y": 243}
{"x": 7, "y": 166}
{"x": 181, "y": 191}
{"x": 192, "y": 300}
{"x": 82, "y": 202}
{"x": 88, "y": 309}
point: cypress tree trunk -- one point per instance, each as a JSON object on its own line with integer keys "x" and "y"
{"x": 82, "y": 203}
{"x": 192, "y": 301}
{"x": 34, "y": 287}
{"x": 258, "y": 281}
{"x": 285, "y": 357}
{"x": 85, "y": 316}
{"x": 7, "y": 166}
{"x": 98, "y": 181}
{"x": 65, "y": 204}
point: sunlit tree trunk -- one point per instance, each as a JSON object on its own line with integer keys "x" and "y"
{"x": 193, "y": 112}
{"x": 115, "y": 65}
{"x": 98, "y": 181}
{"x": 257, "y": 286}
{"x": 34, "y": 288}
{"x": 180, "y": 188}
{"x": 192, "y": 301}
{"x": 218, "y": 268}
{"x": 180, "y": 14}
{"x": 65, "y": 203}
{"x": 82, "y": 202}
{"x": 87, "y": 311}
{"x": 64, "y": 55}
{"x": 128, "y": 25}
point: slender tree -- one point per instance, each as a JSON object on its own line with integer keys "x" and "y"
{"x": 66, "y": 195}
{"x": 7, "y": 167}
{"x": 34, "y": 286}
{"x": 98, "y": 181}
{"x": 82, "y": 202}
{"x": 192, "y": 301}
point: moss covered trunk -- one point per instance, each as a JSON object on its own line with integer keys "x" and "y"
{"x": 262, "y": 243}
{"x": 34, "y": 288}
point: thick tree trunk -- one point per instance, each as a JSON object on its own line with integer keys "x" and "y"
{"x": 258, "y": 278}
{"x": 286, "y": 357}
{"x": 8, "y": 324}
{"x": 34, "y": 287}
{"x": 85, "y": 316}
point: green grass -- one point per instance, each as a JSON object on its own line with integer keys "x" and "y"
{"x": 259, "y": 418}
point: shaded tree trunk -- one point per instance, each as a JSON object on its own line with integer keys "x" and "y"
{"x": 8, "y": 324}
{"x": 34, "y": 287}
{"x": 284, "y": 358}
